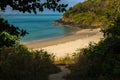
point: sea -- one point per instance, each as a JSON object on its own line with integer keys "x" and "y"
{"x": 39, "y": 26}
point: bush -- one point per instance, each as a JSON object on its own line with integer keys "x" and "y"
{"x": 18, "y": 63}
{"x": 99, "y": 61}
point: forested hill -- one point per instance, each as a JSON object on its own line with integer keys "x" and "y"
{"x": 91, "y": 12}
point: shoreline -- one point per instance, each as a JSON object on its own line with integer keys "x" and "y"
{"x": 83, "y": 33}
{"x": 61, "y": 46}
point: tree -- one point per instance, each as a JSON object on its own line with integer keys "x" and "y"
{"x": 32, "y": 5}
{"x": 10, "y": 34}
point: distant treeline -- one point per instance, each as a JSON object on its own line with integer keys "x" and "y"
{"x": 91, "y": 12}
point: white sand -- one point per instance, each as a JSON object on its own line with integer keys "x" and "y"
{"x": 69, "y": 47}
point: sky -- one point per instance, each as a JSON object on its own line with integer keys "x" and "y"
{"x": 69, "y": 2}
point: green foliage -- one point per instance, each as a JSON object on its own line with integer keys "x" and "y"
{"x": 9, "y": 34}
{"x": 101, "y": 61}
{"x": 85, "y": 18}
{"x": 18, "y": 63}
{"x": 113, "y": 24}
{"x": 32, "y": 5}
{"x": 92, "y": 12}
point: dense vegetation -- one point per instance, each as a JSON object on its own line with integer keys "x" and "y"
{"x": 18, "y": 63}
{"x": 101, "y": 61}
{"x": 90, "y": 12}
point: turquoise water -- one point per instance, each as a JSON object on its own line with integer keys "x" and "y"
{"x": 39, "y": 26}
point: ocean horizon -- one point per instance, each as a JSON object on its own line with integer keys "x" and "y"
{"x": 39, "y": 27}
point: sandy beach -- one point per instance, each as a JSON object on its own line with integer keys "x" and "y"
{"x": 67, "y": 45}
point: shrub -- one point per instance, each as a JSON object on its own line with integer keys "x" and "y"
{"x": 99, "y": 61}
{"x": 18, "y": 63}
